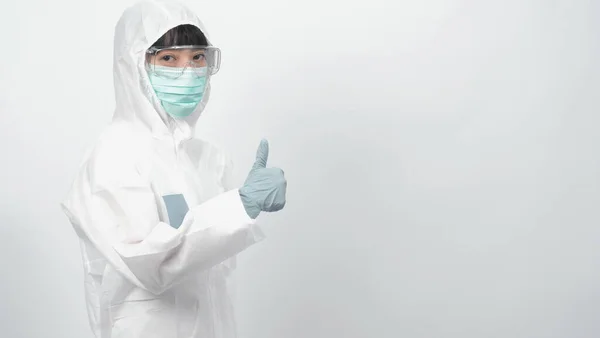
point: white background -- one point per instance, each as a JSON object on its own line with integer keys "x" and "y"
{"x": 442, "y": 159}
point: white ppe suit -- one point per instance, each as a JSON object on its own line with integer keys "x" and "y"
{"x": 143, "y": 277}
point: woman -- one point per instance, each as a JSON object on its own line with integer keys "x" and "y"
{"x": 159, "y": 221}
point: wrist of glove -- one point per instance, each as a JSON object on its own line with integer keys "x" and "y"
{"x": 251, "y": 206}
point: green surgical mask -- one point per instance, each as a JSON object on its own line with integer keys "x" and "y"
{"x": 179, "y": 90}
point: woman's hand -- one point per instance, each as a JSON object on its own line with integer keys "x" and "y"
{"x": 265, "y": 188}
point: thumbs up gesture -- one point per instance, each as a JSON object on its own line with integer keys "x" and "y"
{"x": 264, "y": 189}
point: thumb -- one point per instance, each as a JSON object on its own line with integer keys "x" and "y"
{"x": 262, "y": 154}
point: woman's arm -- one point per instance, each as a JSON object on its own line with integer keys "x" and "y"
{"x": 124, "y": 226}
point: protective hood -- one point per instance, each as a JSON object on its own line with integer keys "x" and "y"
{"x": 137, "y": 29}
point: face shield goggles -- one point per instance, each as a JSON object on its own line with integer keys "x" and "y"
{"x": 173, "y": 62}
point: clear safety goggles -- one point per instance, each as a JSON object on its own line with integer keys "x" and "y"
{"x": 173, "y": 61}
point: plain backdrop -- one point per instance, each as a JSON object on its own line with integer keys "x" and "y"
{"x": 442, "y": 158}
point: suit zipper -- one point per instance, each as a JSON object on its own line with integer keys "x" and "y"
{"x": 213, "y": 311}
{"x": 175, "y": 146}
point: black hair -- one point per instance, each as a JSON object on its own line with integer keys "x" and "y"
{"x": 182, "y": 35}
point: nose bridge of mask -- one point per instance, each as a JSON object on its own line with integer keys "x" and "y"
{"x": 188, "y": 70}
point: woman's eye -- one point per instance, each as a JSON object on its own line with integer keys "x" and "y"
{"x": 198, "y": 57}
{"x": 167, "y": 58}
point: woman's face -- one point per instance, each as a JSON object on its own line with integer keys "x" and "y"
{"x": 179, "y": 58}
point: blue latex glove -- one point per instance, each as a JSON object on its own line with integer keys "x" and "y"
{"x": 264, "y": 189}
